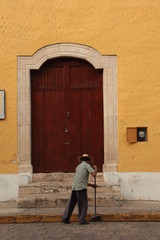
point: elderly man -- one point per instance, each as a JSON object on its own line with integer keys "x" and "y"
{"x": 79, "y": 190}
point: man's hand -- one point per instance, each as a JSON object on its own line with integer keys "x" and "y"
{"x": 95, "y": 172}
{"x": 95, "y": 167}
{"x": 92, "y": 185}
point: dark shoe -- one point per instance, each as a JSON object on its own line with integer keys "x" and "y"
{"x": 66, "y": 221}
{"x": 84, "y": 223}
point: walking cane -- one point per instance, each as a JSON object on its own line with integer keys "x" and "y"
{"x": 95, "y": 217}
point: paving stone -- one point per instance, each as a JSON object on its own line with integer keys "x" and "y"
{"x": 73, "y": 231}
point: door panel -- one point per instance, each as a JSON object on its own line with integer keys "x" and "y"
{"x": 37, "y": 113}
{"x": 67, "y": 115}
{"x": 87, "y": 82}
{"x": 53, "y": 131}
{"x": 54, "y": 107}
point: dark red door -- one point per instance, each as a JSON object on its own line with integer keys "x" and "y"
{"x": 67, "y": 115}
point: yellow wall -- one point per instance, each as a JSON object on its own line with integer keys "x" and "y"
{"x": 130, "y": 29}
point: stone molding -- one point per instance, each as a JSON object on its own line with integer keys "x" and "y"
{"x": 109, "y": 66}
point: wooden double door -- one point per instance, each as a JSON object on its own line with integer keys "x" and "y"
{"x": 67, "y": 115}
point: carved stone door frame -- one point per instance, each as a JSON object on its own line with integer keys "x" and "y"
{"x": 27, "y": 63}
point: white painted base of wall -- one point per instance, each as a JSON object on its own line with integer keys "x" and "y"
{"x": 136, "y": 185}
{"x": 133, "y": 186}
{"x": 8, "y": 187}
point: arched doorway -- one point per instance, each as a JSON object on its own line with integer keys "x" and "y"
{"x": 110, "y": 115}
{"x": 66, "y": 114}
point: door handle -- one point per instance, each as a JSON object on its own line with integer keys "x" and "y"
{"x": 66, "y": 130}
{"x": 67, "y": 143}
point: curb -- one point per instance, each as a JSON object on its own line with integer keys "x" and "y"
{"x": 124, "y": 217}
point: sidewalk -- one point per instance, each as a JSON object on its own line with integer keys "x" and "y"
{"x": 125, "y": 212}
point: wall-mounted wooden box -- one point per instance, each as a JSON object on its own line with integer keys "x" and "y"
{"x": 136, "y": 134}
{"x": 132, "y": 134}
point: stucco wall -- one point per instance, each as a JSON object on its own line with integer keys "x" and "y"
{"x": 129, "y": 29}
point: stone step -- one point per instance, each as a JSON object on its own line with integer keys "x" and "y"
{"x": 30, "y": 190}
{"x": 67, "y": 195}
{"x": 55, "y": 188}
{"x": 61, "y": 177}
{"x": 51, "y": 201}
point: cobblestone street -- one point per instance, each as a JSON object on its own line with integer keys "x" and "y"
{"x": 93, "y": 231}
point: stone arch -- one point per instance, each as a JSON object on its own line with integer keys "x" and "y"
{"x": 109, "y": 66}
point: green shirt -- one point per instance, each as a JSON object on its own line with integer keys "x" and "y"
{"x": 80, "y": 181}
